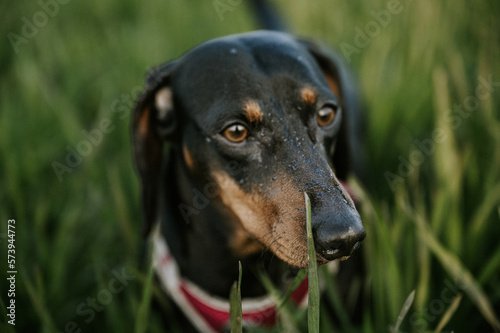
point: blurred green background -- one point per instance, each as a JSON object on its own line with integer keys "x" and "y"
{"x": 430, "y": 74}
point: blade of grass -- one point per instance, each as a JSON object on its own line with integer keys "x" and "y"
{"x": 386, "y": 285}
{"x": 424, "y": 275}
{"x": 301, "y": 275}
{"x": 449, "y": 313}
{"x": 141, "y": 323}
{"x": 406, "y": 306}
{"x": 491, "y": 267}
{"x": 38, "y": 301}
{"x": 477, "y": 224}
{"x": 288, "y": 318}
{"x": 455, "y": 268}
{"x": 120, "y": 202}
{"x": 326, "y": 325}
{"x": 313, "y": 288}
{"x": 338, "y": 305}
{"x": 235, "y": 311}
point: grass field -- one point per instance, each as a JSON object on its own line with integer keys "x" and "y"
{"x": 430, "y": 74}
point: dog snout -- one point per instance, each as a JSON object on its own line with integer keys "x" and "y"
{"x": 337, "y": 236}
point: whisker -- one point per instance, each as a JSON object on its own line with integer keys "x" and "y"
{"x": 270, "y": 234}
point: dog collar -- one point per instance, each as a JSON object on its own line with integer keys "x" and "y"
{"x": 206, "y": 312}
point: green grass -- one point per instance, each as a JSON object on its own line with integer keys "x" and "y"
{"x": 437, "y": 233}
{"x": 236, "y": 316}
{"x": 313, "y": 302}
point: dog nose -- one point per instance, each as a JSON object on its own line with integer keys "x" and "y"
{"x": 338, "y": 236}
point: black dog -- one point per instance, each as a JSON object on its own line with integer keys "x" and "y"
{"x": 253, "y": 121}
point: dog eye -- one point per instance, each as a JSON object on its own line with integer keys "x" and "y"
{"x": 236, "y": 133}
{"x": 325, "y": 116}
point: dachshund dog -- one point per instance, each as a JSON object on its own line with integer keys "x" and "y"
{"x": 226, "y": 140}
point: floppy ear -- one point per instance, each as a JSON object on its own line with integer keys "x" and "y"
{"x": 153, "y": 123}
{"x": 347, "y": 154}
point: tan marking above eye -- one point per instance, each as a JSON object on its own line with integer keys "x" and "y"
{"x": 236, "y": 133}
{"x": 252, "y": 111}
{"x": 308, "y": 95}
{"x": 325, "y": 116}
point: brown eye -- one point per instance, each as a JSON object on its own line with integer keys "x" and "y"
{"x": 325, "y": 116}
{"x": 236, "y": 133}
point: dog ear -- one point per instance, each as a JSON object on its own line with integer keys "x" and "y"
{"x": 153, "y": 123}
{"x": 346, "y": 153}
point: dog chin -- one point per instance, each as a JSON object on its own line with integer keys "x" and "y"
{"x": 303, "y": 261}
{"x": 298, "y": 259}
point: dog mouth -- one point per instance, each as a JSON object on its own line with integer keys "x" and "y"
{"x": 295, "y": 252}
{"x": 291, "y": 246}
{"x": 326, "y": 256}
{"x": 300, "y": 260}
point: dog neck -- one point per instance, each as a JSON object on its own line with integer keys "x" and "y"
{"x": 198, "y": 233}
{"x": 206, "y": 312}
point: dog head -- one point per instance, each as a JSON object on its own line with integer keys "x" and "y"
{"x": 261, "y": 116}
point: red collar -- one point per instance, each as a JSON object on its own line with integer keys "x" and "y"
{"x": 206, "y": 312}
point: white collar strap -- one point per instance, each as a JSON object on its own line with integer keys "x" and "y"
{"x": 208, "y": 313}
